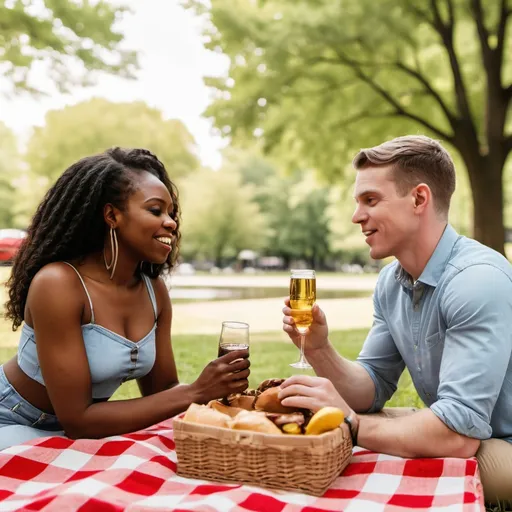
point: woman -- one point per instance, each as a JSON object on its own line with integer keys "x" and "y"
{"x": 96, "y": 314}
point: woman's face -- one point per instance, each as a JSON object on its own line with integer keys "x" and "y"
{"x": 146, "y": 228}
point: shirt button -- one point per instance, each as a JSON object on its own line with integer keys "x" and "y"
{"x": 418, "y": 368}
{"x": 415, "y": 347}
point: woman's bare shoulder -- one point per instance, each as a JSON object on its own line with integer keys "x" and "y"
{"x": 56, "y": 279}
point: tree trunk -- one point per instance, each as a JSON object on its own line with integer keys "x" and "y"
{"x": 218, "y": 256}
{"x": 486, "y": 178}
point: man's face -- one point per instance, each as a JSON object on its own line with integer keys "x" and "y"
{"x": 386, "y": 219}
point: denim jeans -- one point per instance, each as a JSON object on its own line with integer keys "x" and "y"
{"x": 20, "y": 421}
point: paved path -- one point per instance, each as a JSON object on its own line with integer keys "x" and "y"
{"x": 264, "y": 315}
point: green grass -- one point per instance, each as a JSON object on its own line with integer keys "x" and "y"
{"x": 268, "y": 359}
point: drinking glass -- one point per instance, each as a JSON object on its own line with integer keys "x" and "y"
{"x": 302, "y": 298}
{"x": 233, "y": 336}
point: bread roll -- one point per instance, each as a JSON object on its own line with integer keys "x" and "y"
{"x": 242, "y": 402}
{"x": 224, "y": 409}
{"x": 255, "y": 422}
{"x": 269, "y": 402}
{"x": 206, "y": 416}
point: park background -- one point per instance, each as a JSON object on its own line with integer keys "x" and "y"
{"x": 256, "y": 107}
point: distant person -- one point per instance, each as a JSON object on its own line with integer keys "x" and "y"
{"x": 443, "y": 310}
{"x": 86, "y": 285}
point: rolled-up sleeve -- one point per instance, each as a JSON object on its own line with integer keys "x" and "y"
{"x": 380, "y": 357}
{"x": 477, "y": 308}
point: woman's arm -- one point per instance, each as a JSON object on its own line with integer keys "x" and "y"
{"x": 56, "y": 305}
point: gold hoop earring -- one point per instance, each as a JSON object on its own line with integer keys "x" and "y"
{"x": 115, "y": 252}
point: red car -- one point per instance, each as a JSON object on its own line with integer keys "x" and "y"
{"x": 10, "y": 241}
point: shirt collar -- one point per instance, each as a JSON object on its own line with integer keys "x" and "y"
{"x": 436, "y": 264}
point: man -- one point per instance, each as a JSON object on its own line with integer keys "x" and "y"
{"x": 443, "y": 309}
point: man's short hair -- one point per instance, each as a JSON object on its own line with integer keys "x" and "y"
{"x": 414, "y": 159}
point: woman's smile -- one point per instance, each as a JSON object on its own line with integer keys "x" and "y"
{"x": 165, "y": 241}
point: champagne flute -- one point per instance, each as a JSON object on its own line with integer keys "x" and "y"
{"x": 302, "y": 298}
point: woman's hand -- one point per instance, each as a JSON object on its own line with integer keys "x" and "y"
{"x": 223, "y": 376}
{"x": 318, "y": 331}
{"x": 313, "y": 393}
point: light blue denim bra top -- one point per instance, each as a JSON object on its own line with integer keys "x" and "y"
{"x": 113, "y": 359}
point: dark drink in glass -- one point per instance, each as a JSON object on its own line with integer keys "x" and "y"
{"x": 229, "y": 347}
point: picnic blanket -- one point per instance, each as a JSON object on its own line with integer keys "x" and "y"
{"x": 137, "y": 472}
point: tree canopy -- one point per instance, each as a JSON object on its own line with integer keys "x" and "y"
{"x": 71, "y": 39}
{"x": 220, "y": 216}
{"x": 93, "y": 126}
{"x": 318, "y": 80}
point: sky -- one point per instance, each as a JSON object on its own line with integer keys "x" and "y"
{"x": 173, "y": 63}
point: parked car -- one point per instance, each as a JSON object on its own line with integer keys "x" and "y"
{"x": 10, "y": 242}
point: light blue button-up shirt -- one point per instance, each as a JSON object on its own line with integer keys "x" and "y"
{"x": 452, "y": 329}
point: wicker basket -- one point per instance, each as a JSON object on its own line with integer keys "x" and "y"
{"x": 307, "y": 464}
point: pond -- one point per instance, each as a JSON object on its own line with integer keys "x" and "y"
{"x": 193, "y": 293}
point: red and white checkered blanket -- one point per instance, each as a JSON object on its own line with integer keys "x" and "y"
{"x": 138, "y": 472}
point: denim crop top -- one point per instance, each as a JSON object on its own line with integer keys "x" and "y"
{"x": 113, "y": 359}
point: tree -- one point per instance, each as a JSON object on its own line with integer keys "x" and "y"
{"x": 64, "y": 35}
{"x": 318, "y": 80}
{"x": 220, "y": 216}
{"x": 9, "y": 168}
{"x": 93, "y": 126}
{"x": 295, "y": 205}
{"x": 308, "y": 224}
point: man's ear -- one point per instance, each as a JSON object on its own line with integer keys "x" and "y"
{"x": 112, "y": 215}
{"x": 422, "y": 197}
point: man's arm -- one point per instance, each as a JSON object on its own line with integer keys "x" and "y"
{"x": 421, "y": 434}
{"x": 367, "y": 384}
{"x": 477, "y": 308}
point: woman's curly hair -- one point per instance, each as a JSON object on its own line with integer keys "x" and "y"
{"x": 69, "y": 223}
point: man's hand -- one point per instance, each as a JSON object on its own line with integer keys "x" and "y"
{"x": 318, "y": 331}
{"x": 303, "y": 391}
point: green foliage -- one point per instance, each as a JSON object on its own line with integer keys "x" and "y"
{"x": 93, "y": 126}
{"x": 295, "y": 205}
{"x": 297, "y": 57}
{"x": 9, "y": 172}
{"x": 315, "y": 81}
{"x": 220, "y": 216}
{"x": 63, "y": 35}
{"x": 328, "y": 82}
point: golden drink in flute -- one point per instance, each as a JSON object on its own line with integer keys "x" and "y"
{"x": 302, "y": 298}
